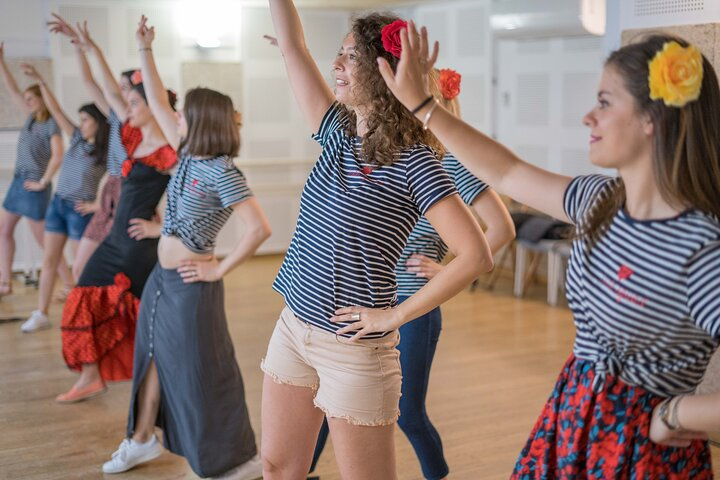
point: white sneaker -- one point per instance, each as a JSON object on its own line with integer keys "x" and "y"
{"x": 131, "y": 453}
{"x": 250, "y": 470}
{"x": 37, "y": 321}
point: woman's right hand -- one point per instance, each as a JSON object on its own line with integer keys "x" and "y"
{"x": 85, "y": 41}
{"x": 409, "y": 83}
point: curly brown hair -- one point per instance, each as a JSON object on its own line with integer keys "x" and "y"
{"x": 686, "y": 144}
{"x": 390, "y": 126}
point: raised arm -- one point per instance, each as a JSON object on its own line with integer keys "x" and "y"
{"x": 108, "y": 84}
{"x": 154, "y": 90}
{"x": 307, "y": 83}
{"x": 10, "y": 84}
{"x": 484, "y": 157}
{"x": 59, "y": 25}
{"x": 51, "y": 102}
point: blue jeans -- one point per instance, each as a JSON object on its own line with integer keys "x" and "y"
{"x": 418, "y": 340}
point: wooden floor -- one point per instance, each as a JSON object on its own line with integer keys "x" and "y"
{"x": 496, "y": 363}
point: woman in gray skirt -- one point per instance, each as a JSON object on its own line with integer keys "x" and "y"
{"x": 186, "y": 379}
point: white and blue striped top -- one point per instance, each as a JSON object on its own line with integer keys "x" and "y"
{"x": 354, "y": 222}
{"x": 117, "y": 153}
{"x": 200, "y": 197}
{"x": 645, "y": 297}
{"x": 34, "y": 149}
{"x": 424, "y": 240}
{"x": 80, "y": 173}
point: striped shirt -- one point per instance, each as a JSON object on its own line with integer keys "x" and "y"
{"x": 645, "y": 297}
{"x": 200, "y": 196}
{"x": 34, "y": 149}
{"x": 354, "y": 221}
{"x": 80, "y": 173}
{"x": 117, "y": 153}
{"x": 424, "y": 240}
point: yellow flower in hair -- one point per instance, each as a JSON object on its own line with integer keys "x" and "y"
{"x": 676, "y": 74}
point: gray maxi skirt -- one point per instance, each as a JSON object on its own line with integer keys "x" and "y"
{"x": 203, "y": 415}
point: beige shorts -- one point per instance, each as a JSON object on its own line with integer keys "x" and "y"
{"x": 356, "y": 381}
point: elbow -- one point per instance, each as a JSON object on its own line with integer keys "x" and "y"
{"x": 478, "y": 262}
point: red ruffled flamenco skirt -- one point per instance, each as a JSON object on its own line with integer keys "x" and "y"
{"x": 98, "y": 326}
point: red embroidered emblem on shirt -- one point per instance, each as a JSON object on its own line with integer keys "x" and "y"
{"x": 195, "y": 181}
{"x": 367, "y": 170}
{"x": 624, "y": 272}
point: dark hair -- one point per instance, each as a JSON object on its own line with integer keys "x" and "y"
{"x": 128, "y": 74}
{"x": 211, "y": 127}
{"x": 686, "y": 140}
{"x": 139, "y": 88}
{"x": 102, "y": 134}
{"x": 390, "y": 126}
{"x": 44, "y": 114}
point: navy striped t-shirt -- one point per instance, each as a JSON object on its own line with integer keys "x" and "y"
{"x": 424, "y": 240}
{"x": 117, "y": 153}
{"x": 200, "y": 196}
{"x": 354, "y": 222}
{"x": 80, "y": 173}
{"x": 645, "y": 297}
{"x": 34, "y": 148}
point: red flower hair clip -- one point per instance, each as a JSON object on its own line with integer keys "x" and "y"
{"x": 391, "y": 37}
{"x": 136, "y": 77}
{"x": 449, "y": 83}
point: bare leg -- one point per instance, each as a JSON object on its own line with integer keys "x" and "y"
{"x": 148, "y": 406}
{"x": 38, "y": 230}
{"x": 363, "y": 452}
{"x": 85, "y": 250}
{"x": 8, "y": 222}
{"x": 54, "y": 245}
{"x": 290, "y": 426}
{"x": 90, "y": 373}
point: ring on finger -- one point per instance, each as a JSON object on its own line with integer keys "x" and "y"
{"x": 355, "y": 317}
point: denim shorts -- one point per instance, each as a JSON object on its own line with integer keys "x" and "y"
{"x": 24, "y": 203}
{"x": 62, "y": 218}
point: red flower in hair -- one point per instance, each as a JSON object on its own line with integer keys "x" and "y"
{"x": 391, "y": 37}
{"x": 449, "y": 83}
{"x": 136, "y": 77}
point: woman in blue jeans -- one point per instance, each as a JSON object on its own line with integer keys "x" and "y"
{"x": 420, "y": 261}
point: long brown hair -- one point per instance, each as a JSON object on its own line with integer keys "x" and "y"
{"x": 390, "y": 126}
{"x": 686, "y": 140}
{"x": 44, "y": 114}
{"x": 212, "y": 130}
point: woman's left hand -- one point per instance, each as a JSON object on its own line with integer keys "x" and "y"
{"x": 33, "y": 186}
{"x": 193, "y": 271}
{"x": 31, "y": 72}
{"x": 86, "y": 208}
{"x": 661, "y": 434}
{"x": 144, "y": 34}
{"x": 366, "y": 320}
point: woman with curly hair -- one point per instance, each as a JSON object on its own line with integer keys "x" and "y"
{"x": 333, "y": 352}
{"x": 645, "y": 264}
{"x": 420, "y": 261}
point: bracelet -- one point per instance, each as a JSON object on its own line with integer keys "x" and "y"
{"x": 674, "y": 420}
{"x": 415, "y": 110}
{"x": 429, "y": 114}
{"x": 663, "y": 413}
{"x": 145, "y": 49}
